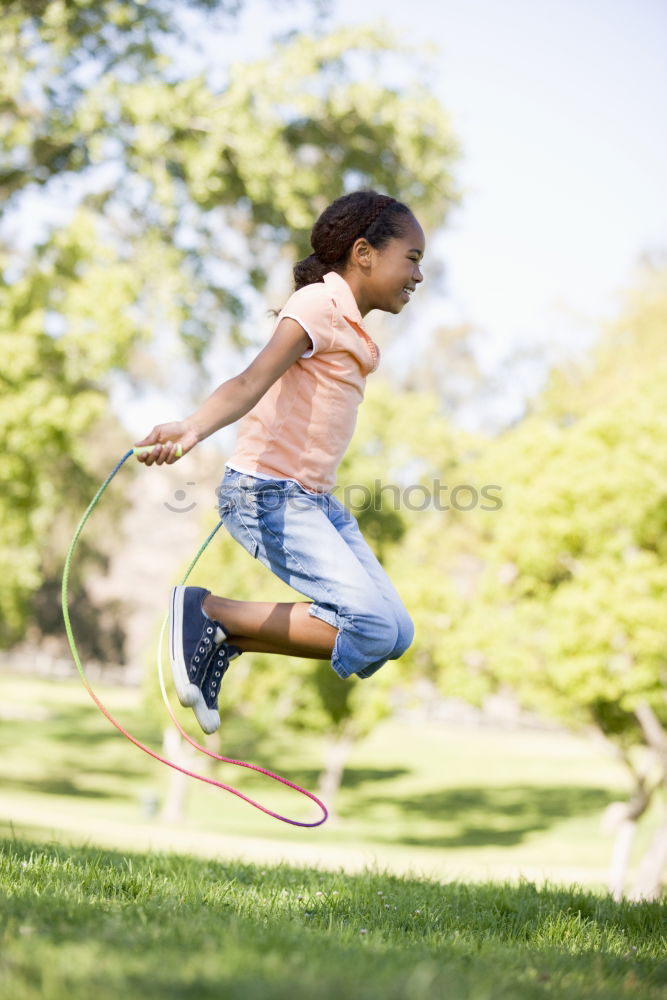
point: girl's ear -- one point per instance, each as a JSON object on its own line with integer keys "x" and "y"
{"x": 361, "y": 253}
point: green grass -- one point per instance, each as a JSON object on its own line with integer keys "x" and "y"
{"x": 432, "y": 799}
{"x": 426, "y": 798}
{"x": 85, "y": 923}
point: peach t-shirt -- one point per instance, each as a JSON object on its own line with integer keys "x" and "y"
{"x": 302, "y": 425}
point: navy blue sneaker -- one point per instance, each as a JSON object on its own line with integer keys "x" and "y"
{"x": 206, "y": 705}
{"x": 195, "y": 642}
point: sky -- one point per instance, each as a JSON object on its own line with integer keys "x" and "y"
{"x": 560, "y": 108}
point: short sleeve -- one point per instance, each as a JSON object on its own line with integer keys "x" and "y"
{"x": 312, "y": 308}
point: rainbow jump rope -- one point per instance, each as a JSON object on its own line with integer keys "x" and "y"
{"x": 193, "y": 743}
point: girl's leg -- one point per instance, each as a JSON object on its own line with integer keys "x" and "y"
{"x": 266, "y": 627}
{"x": 353, "y": 621}
{"x": 348, "y": 528}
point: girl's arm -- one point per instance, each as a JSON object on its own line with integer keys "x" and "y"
{"x": 231, "y": 400}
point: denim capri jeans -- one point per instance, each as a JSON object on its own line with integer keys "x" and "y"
{"x": 313, "y": 543}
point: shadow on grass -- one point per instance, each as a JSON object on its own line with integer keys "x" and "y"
{"x": 479, "y": 816}
{"x": 354, "y": 777}
{"x": 76, "y": 729}
{"x": 55, "y": 785}
{"x": 476, "y": 816}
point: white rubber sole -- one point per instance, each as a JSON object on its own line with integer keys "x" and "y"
{"x": 208, "y": 718}
{"x": 187, "y": 693}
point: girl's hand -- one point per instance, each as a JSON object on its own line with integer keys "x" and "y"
{"x": 166, "y": 438}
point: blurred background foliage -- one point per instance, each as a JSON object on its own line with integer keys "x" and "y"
{"x": 185, "y": 201}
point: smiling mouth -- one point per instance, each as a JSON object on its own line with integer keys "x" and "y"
{"x": 408, "y": 291}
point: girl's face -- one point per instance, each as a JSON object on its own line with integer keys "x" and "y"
{"x": 393, "y": 272}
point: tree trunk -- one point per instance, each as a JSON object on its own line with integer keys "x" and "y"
{"x": 621, "y": 819}
{"x": 648, "y": 883}
{"x": 173, "y": 810}
{"x": 620, "y": 857}
{"x": 337, "y": 752}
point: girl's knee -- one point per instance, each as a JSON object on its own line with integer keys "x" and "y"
{"x": 386, "y": 638}
{"x": 392, "y": 636}
{"x": 376, "y": 634}
{"x": 405, "y": 635}
{"x": 404, "y": 631}
{"x": 372, "y": 636}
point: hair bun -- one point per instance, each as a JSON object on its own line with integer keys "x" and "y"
{"x": 310, "y": 270}
{"x": 322, "y": 255}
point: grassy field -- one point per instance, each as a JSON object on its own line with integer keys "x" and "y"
{"x": 82, "y": 923}
{"x": 418, "y": 799}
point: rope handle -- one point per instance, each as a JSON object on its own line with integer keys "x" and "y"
{"x": 129, "y": 736}
{"x": 144, "y": 449}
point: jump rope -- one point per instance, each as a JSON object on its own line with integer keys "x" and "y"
{"x": 133, "y": 739}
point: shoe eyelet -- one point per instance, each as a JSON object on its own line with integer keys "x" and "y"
{"x": 217, "y": 673}
{"x": 209, "y": 629}
{"x": 196, "y": 659}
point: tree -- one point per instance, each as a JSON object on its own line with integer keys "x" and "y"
{"x": 565, "y": 600}
{"x": 227, "y": 177}
{"x": 52, "y": 397}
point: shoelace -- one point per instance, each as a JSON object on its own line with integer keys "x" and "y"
{"x": 205, "y": 652}
{"x": 216, "y": 670}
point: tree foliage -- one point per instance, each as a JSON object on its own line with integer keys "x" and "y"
{"x": 557, "y": 593}
{"x": 560, "y": 594}
{"x": 226, "y": 178}
{"x": 564, "y": 596}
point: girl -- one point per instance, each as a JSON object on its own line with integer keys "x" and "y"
{"x": 298, "y": 402}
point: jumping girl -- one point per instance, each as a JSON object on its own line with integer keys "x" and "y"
{"x": 297, "y": 402}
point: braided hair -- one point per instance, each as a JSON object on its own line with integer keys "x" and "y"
{"x": 376, "y": 217}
